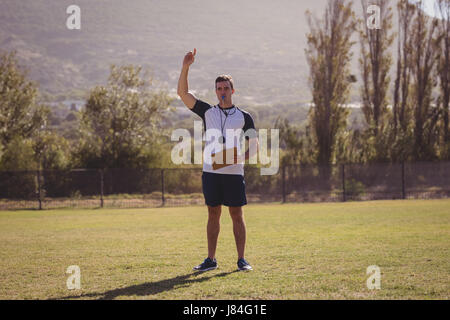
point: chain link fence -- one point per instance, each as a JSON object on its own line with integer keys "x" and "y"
{"x": 144, "y": 188}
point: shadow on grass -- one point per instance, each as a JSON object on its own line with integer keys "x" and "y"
{"x": 150, "y": 288}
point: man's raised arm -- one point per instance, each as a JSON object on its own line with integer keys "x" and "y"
{"x": 183, "y": 91}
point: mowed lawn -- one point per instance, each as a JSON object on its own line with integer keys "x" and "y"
{"x": 298, "y": 251}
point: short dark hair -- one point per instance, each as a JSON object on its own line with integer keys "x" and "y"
{"x": 225, "y": 77}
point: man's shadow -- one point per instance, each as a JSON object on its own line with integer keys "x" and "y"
{"x": 150, "y": 288}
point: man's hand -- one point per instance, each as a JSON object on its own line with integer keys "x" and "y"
{"x": 183, "y": 91}
{"x": 189, "y": 58}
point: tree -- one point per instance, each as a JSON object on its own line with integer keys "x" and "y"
{"x": 298, "y": 144}
{"x": 51, "y": 151}
{"x": 375, "y": 64}
{"x": 20, "y": 113}
{"x": 351, "y": 147}
{"x": 402, "y": 108}
{"x": 120, "y": 121}
{"x": 328, "y": 55}
{"x": 18, "y": 155}
{"x": 423, "y": 63}
{"x": 443, "y": 70}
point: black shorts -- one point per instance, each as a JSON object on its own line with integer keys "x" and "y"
{"x": 226, "y": 189}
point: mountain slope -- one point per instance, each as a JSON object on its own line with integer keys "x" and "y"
{"x": 261, "y": 43}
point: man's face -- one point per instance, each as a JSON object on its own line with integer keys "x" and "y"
{"x": 223, "y": 88}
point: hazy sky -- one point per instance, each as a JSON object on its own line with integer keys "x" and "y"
{"x": 429, "y": 7}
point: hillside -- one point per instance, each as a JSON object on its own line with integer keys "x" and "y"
{"x": 261, "y": 43}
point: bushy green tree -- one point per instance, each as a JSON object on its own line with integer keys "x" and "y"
{"x": 119, "y": 123}
{"x": 18, "y": 155}
{"x": 21, "y": 116}
{"x": 51, "y": 151}
{"x": 296, "y": 144}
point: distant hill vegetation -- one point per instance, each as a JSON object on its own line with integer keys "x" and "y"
{"x": 260, "y": 42}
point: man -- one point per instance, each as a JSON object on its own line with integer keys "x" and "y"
{"x": 221, "y": 184}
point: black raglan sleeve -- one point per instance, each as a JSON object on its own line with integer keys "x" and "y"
{"x": 200, "y": 108}
{"x": 249, "y": 124}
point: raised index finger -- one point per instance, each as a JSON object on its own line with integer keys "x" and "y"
{"x": 195, "y": 51}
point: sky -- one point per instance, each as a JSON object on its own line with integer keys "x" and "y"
{"x": 429, "y": 7}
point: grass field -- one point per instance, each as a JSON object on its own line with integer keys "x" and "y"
{"x": 298, "y": 251}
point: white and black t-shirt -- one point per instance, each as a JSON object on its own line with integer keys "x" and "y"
{"x": 216, "y": 123}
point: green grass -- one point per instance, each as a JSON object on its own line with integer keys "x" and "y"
{"x": 298, "y": 251}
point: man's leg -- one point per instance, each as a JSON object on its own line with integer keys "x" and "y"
{"x": 238, "y": 229}
{"x": 213, "y": 229}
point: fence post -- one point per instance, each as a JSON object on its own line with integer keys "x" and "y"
{"x": 39, "y": 188}
{"x": 283, "y": 177}
{"x": 162, "y": 188}
{"x": 101, "y": 188}
{"x": 344, "y": 198}
{"x": 403, "y": 180}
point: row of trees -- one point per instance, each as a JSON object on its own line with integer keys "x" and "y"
{"x": 118, "y": 127}
{"x": 407, "y": 119}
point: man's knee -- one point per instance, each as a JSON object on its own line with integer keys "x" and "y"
{"x": 214, "y": 212}
{"x": 236, "y": 213}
